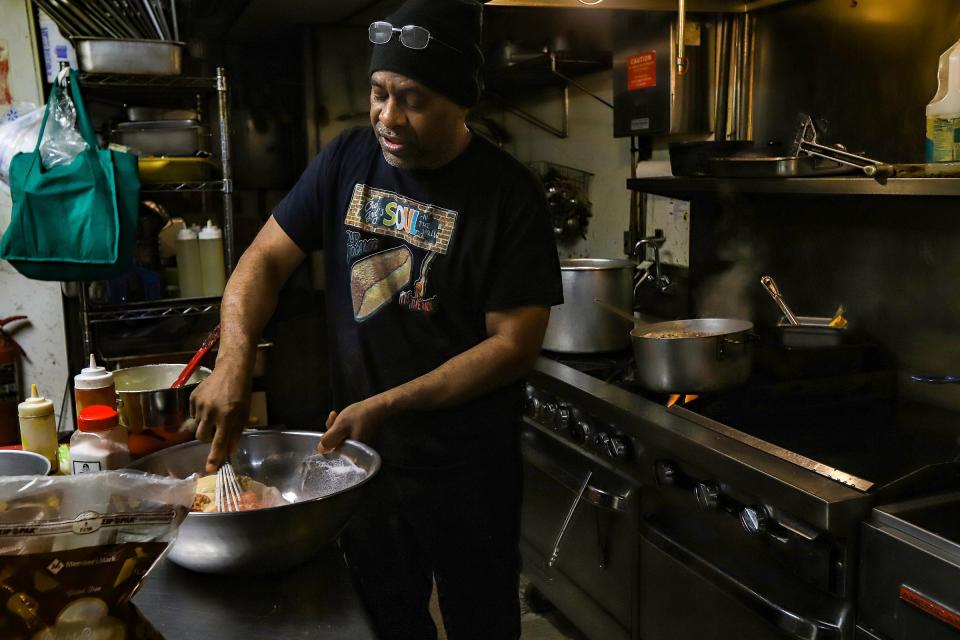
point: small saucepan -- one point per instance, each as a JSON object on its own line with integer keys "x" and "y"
{"x": 146, "y": 401}
{"x": 691, "y": 356}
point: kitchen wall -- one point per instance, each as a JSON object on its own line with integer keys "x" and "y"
{"x": 43, "y": 339}
{"x": 590, "y": 146}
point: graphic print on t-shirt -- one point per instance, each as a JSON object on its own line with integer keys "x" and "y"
{"x": 416, "y": 300}
{"x": 385, "y": 213}
{"x": 358, "y": 246}
{"x": 374, "y": 280}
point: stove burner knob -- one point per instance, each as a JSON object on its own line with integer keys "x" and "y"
{"x": 754, "y": 519}
{"x": 533, "y": 407}
{"x": 666, "y": 472}
{"x": 616, "y": 448}
{"x": 601, "y": 440}
{"x": 581, "y": 432}
{"x": 708, "y": 495}
{"x": 549, "y": 414}
{"x": 563, "y": 417}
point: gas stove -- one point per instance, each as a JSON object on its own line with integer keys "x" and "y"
{"x": 733, "y": 515}
{"x": 838, "y": 412}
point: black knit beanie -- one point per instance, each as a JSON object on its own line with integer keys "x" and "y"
{"x": 454, "y": 22}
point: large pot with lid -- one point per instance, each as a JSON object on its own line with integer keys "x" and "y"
{"x": 581, "y": 326}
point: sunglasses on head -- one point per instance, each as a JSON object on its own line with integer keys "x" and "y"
{"x": 411, "y": 36}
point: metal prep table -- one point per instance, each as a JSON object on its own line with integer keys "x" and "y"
{"x": 315, "y": 600}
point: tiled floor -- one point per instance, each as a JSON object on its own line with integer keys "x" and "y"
{"x": 534, "y": 626}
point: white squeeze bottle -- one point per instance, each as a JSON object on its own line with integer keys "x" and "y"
{"x": 188, "y": 264}
{"x": 211, "y": 260}
{"x": 943, "y": 112}
{"x": 38, "y": 427}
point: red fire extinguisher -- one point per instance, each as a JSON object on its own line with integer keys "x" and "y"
{"x": 10, "y": 353}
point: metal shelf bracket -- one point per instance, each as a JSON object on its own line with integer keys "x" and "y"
{"x": 562, "y": 131}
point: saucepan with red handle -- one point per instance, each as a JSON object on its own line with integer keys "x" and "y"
{"x": 154, "y": 400}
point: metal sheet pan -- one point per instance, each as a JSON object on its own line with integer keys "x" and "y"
{"x": 773, "y": 167}
{"x": 130, "y": 57}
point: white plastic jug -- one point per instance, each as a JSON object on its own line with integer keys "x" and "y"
{"x": 943, "y": 112}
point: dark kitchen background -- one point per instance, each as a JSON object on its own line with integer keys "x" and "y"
{"x": 865, "y": 68}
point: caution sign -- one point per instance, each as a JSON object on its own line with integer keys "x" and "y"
{"x": 642, "y": 70}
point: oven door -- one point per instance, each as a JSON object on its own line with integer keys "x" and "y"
{"x": 684, "y": 595}
{"x": 578, "y": 534}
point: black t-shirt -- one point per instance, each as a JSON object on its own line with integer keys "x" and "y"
{"x": 414, "y": 259}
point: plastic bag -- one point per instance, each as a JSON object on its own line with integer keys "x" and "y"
{"x": 74, "y": 549}
{"x": 61, "y": 140}
{"x": 19, "y": 128}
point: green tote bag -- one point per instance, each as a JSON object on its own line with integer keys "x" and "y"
{"x": 74, "y": 222}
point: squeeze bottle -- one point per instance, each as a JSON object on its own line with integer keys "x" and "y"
{"x": 211, "y": 260}
{"x": 38, "y": 427}
{"x": 188, "y": 264}
{"x": 94, "y": 385}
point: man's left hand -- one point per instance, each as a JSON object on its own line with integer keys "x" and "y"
{"x": 358, "y": 421}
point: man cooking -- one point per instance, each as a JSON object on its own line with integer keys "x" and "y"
{"x": 441, "y": 269}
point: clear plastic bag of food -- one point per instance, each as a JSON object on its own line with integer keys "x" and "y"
{"x": 19, "y": 128}
{"x": 74, "y": 549}
{"x": 61, "y": 140}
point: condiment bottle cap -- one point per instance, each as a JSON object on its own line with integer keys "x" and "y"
{"x": 186, "y": 234}
{"x": 36, "y": 406}
{"x": 210, "y": 232}
{"x": 97, "y": 418}
{"x": 92, "y": 377}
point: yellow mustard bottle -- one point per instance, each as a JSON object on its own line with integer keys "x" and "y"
{"x": 38, "y": 427}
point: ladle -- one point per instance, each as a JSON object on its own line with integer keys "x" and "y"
{"x": 616, "y": 311}
{"x": 771, "y": 286}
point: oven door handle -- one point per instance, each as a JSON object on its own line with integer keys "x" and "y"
{"x": 590, "y": 493}
{"x": 555, "y": 554}
{"x": 791, "y": 623}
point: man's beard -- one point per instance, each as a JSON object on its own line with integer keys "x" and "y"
{"x": 392, "y": 159}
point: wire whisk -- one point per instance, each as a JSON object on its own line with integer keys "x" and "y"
{"x": 228, "y": 490}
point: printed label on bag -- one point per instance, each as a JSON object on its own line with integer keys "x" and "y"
{"x": 84, "y": 466}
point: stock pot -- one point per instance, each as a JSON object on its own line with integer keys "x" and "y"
{"x": 579, "y": 325}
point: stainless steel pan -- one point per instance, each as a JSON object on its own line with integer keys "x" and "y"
{"x": 693, "y": 356}
{"x": 146, "y": 401}
{"x": 690, "y": 356}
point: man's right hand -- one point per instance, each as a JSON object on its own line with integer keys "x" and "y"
{"x": 221, "y": 407}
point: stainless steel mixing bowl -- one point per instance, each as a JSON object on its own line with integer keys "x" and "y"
{"x": 263, "y": 540}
